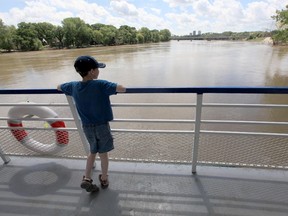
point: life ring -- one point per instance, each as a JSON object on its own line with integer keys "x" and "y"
{"x": 19, "y": 112}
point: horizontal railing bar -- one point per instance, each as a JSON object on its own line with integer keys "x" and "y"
{"x": 155, "y": 120}
{"x": 30, "y": 91}
{"x": 152, "y": 131}
{"x": 157, "y": 131}
{"x": 34, "y": 104}
{"x": 37, "y": 119}
{"x": 35, "y": 128}
{"x": 158, "y": 105}
{"x": 113, "y": 130}
{"x": 214, "y": 163}
{"x": 197, "y": 90}
{"x": 242, "y": 122}
{"x": 153, "y": 104}
{"x": 113, "y": 104}
{"x": 245, "y": 105}
{"x": 243, "y": 133}
{"x": 218, "y": 90}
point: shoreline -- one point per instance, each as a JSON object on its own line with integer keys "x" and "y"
{"x": 266, "y": 40}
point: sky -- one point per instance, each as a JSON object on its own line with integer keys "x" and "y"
{"x": 181, "y": 17}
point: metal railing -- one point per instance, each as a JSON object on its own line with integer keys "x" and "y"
{"x": 213, "y": 147}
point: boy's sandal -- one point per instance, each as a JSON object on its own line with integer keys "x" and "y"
{"x": 88, "y": 186}
{"x": 104, "y": 183}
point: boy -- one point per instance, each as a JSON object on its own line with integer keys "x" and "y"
{"x": 91, "y": 97}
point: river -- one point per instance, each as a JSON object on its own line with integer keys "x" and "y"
{"x": 170, "y": 64}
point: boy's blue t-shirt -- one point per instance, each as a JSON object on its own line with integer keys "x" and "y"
{"x": 92, "y": 99}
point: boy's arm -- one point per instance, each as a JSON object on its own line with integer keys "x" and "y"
{"x": 120, "y": 88}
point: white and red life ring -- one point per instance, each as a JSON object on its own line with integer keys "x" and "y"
{"x": 19, "y": 112}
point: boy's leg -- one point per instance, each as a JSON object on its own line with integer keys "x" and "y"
{"x": 104, "y": 165}
{"x": 103, "y": 178}
{"x": 89, "y": 165}
{"x": 87, "y": 180}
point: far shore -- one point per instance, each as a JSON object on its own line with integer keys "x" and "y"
{"x": 266, "y": 40}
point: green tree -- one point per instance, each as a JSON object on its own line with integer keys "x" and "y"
{"x": 97, "y": 26}
{"x": 7, "y": 37}
{"x": 146, "y": 34}
{"x": 280, "y": 37}
{"x": 126, "y": 35}
{"x": 140, "y": 38}
{"x": 84, "y": 36}
{"x": 2, "y": 31}
{"x": 59, "y": 37}
{"x": 155, "y": 35}
{"x": 76, "y": 32}
{"x": 109, "y": 33}
{"x": 26, "y": 37}
{"x": 45, "y": 33}
{"x": 96, "y": 37}
{"x": 281, "y": 17}
{"x": 165, "y": 35}
{"x": 227, "y": 34}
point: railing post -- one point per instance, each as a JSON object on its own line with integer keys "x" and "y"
{"x": 78, "y": 123}
{"x": 6, "y": 159}
{"x": 197, "y": 131}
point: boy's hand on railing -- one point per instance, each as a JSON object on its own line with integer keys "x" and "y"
{"x": 120, "y": 88}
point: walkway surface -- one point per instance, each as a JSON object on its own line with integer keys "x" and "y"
{"x": 45, "y": 186}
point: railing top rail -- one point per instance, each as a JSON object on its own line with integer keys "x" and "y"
{"x": 219, "y": 90}
{"x": 30, "y": 91}
{"x": 198, "y": 90}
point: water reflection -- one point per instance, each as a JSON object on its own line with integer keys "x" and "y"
{"x": 277, "y": 75}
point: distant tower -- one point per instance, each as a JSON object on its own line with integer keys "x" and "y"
{"x": 199, "y": 32}
{"x": 194, "y": 32}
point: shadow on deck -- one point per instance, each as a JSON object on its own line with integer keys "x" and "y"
{"x": 41, "y": 186}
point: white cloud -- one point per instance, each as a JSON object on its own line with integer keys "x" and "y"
{"x": 223, "y": 15}
{"x": 259, "y": 13}
{"x": 156, "y": 11}
{"x": 215, "y": 16}
{"x": 179, "y": 3}
{"x": 202, "y": 7}
{"x": 258, "y": 10}
{"x": 124, "y": 8}
{"x": 136, "y": 17}
{"x": 54, "y": 11}
{"x": 179, "y": 16}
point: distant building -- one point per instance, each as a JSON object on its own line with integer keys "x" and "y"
{"x": 194, "y": 33}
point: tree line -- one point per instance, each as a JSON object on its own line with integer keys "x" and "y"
{"x": 74, "y": 33}
{"x": 228, "y": 35}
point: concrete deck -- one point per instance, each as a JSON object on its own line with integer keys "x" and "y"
{"x": 41, "y": 186}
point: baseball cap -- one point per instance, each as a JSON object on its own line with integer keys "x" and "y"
{"x": 86, "y": 63}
